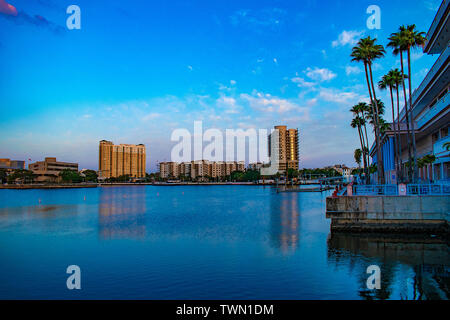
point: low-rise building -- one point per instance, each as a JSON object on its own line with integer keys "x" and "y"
{"x": 12, "y": 164}
{"x": 49, "y": 169}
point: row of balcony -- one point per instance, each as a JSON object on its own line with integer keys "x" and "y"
{"x": 443, "y": 103}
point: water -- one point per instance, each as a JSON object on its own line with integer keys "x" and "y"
{"x": 221, "y": 242}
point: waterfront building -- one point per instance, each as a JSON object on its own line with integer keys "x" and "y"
{"x": 120, "y": 160}
{"x": 49, "y": 169}
{"x": 255, "y": 166}
{"x": 430, "y": 111}
{"x": 199, "y": 169}
{"x": 12, "y": 164}
{"x": 288, "y": 152}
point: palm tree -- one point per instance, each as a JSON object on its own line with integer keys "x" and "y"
{"x": 389, "y": 81}
{"x": 403, "y": 41}
{"x": 359, "y": 111}
{"x": 357, "y": 122}
{"x": 396, "y": 42}
{"x": 398, "y": 80}
{"x": 358, "y": 155}
{"x": 367, "y": 51}
{"x": 413, "y": 39}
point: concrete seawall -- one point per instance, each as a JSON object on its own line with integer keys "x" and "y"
{"x": 408, "y": 214}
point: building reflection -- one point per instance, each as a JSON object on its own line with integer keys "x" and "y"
{"x": 284, "y": 222}
{"x": 418, "y": 265}
{"x": 122, "y": 214}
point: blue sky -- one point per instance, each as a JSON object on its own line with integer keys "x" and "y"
{"x": 139, "y": 69}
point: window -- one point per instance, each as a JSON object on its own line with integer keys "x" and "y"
{"x": 444, "y": 132}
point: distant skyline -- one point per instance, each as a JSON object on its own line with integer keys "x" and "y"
{"x": 139, "y": 70}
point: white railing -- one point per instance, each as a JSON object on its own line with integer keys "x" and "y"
{"x": 411, "y": 190}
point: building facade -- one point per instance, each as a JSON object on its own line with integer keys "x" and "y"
{"x": 49, "y": 169}
{"x": 120, "y": 160}
{"x": 12, "y": 164}
{"x": 288, "y": 152}
{"x": 199, "y": 169}
{"x": 430, "y": 111}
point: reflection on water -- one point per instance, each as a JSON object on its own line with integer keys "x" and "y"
{"x": 412, "y": 268}
{"x": 284, "y": 221}
{"x": 120, "y": 214}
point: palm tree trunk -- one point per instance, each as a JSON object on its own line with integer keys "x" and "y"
{"x": 380, "y": 164}
{"x": 366, "y": 154}
{"x": 399, "y": 140}
{"x": 361, "y": 140}
{"x": 416, "y": 171}
{"x": 395, "y": 132}
{"x": 408, "y": 133}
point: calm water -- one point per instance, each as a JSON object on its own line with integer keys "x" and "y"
{"x": 222, "y": 242}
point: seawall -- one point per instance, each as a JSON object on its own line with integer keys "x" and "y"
{"x": 407, "y": 214}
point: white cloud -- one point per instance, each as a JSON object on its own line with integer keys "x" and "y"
{"x": 229, "y": 104}
{"x": 338, "y": 96}
{"x": 349, "y": 70}
{"x": 320, "y": 74}
{"x": 347, "y": 38}
{"x": 232, "y": 82}
{"x": 302, "y": 83}
{"x": 190, "y": 68}
{"x": 268, "y": 103}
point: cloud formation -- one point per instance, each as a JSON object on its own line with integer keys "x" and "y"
{"x": 320, "y": 74}
{"x": 347, "y": 38}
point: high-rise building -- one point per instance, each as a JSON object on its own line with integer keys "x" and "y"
{"x": 288, "y": 152}
{"x": 120, "y": 160}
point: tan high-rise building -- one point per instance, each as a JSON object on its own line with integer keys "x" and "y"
{"x": 288, "y": 148}
{"x": 120, "y": 160}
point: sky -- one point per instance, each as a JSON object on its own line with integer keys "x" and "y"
{"x": 138, "y": 70}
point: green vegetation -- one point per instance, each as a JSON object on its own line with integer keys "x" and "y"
{"x": 70, "y": 176}
{"x": 247, "y": 176}
{"x": 90, "y": 176}
{"x": 3, "y": 175}
{"x": 22, "y": 176}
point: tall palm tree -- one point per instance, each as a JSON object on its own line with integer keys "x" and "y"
{"x": 389, "y": 81}
{"x": 404, "y": 40}
{"x": 358, "y": 155}
{"x": 413, "y": 39}
{"x": 367, "y": 51}
{"x": 363, "y": 109}
{"x": 359, "y": 111}
{"x": 357, "y": 124}
{"x": 398, "y": 77}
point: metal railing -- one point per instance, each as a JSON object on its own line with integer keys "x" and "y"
{"x": 373, "y": 190}
{"x": 411, "y": 190}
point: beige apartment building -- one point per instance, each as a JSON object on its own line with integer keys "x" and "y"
{"x": 288, "y": 148}
{"x": 120, "y": 160}
{"x": 199, "y": 169}
{"x": 49, "y": 169}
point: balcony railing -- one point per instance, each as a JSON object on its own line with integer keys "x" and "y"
{"x": 411, "y": 190}
{"x": 436, "y": 67}
{"x": 432, "y": 112}
{"x": 438, "y": 146}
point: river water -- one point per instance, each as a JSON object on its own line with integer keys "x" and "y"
{"x": 202, "y": 242}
